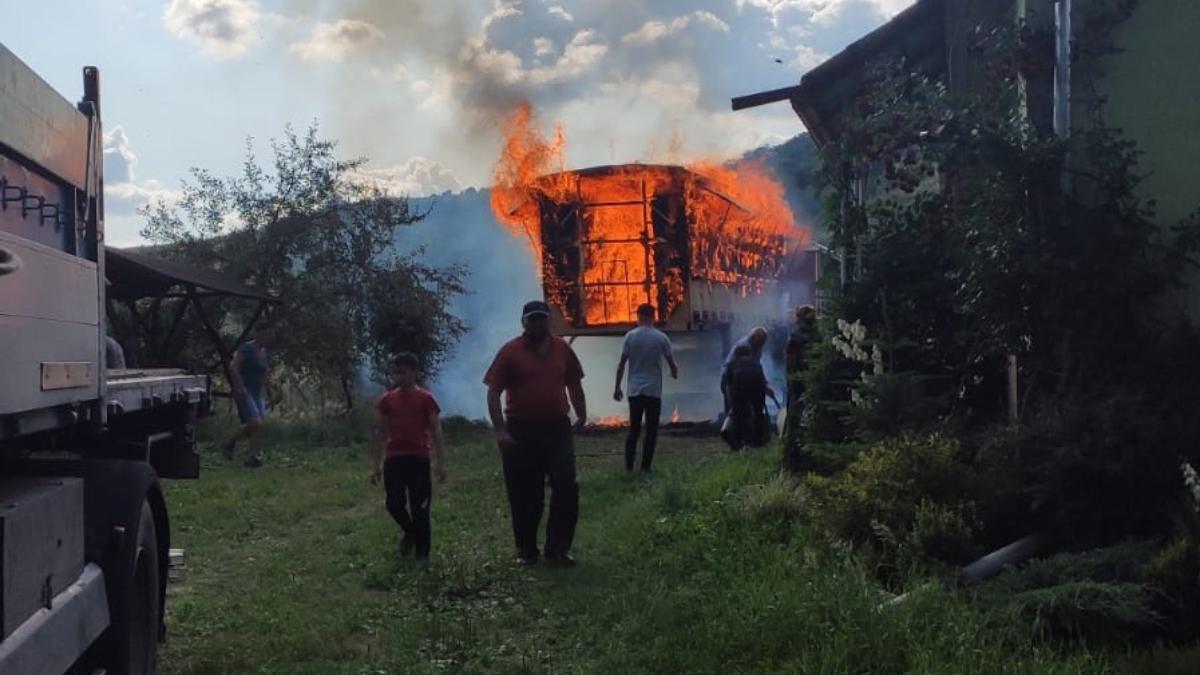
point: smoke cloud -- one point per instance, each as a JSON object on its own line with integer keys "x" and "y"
{"x": 622, "y": 74}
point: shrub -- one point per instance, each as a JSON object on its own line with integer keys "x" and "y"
{"x": 904, "y": 498}
{"x": 886, "y": 483}
{"x": 941, "y": 532}
{"x": 1096, "y": 595}
{"x": 1175, "y": 573}
{"x": 1085, "y": 610}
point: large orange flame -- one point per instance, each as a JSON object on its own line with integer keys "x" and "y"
{"x": 526, "y": 156}
{"x": 738, "y": 224}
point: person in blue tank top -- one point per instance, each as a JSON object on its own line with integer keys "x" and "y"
{"x": 251, "y": 386}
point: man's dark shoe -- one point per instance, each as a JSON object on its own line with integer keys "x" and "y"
{"x": 227, "y": 449}
{"x": 560, "y": 559}
{"x": 526, "y": 560}
{"x": 252, "y": 462}
{"x": 406, "y": 546}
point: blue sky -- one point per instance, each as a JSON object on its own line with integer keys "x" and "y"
{"x": 418, "y": 86}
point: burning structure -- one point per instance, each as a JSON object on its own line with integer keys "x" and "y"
{"x": 712, "y": 247}
{"x": 709, "y": 245}
{"x": 614, "y": 237}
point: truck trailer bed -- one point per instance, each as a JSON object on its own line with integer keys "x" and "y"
{"x": 133, "y": 390}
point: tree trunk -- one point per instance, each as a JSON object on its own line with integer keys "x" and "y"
{"x": 347, "y": 393}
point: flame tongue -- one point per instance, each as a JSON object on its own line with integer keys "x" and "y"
{"x": 526, "y": 156}
{"x": 609, "y": 422}
{"x": 615, "y": 234}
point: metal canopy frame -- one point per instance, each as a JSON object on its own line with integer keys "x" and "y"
{"x": 135, "y": 276}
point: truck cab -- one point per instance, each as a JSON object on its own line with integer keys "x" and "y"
{"x": 84, "y": 529}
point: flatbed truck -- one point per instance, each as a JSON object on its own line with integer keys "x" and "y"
{"x": 84, "y": 527}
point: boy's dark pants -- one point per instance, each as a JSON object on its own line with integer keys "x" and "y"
{"x": 651, "y": 407}
{"x": 543, "y": 450}
{"x": 407, "y": 479}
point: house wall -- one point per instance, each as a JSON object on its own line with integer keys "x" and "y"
{"x": 1153, "y": 95}
{"x": 1153, "y": 88}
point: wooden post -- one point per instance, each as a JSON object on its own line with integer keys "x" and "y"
{"x": 176, "y": 320}
{"x": 212, "y": 332}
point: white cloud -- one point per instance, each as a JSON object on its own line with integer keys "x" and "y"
{"x": 332, "y": 41}
{"x": 222, "y": 28}
{"x": 416, "y": 177}
{"x": 123, "y": 192}
{"x": 502, "y": 9}
{"x": 580, "y": 55}
{"x": 119, "y": 158}
{"x": 557, "y": 10}
{"x": 784, "y": 12}
{"x": 126, "y": 198}
{"x": 655, "y": 30}
{"x": 543, "y": 46}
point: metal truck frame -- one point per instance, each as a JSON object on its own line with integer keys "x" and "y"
{"x": 84, "y": 532}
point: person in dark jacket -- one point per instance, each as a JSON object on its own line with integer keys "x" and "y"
{"x": 747, "y": 391}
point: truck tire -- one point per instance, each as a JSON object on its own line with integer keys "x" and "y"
{"x": 130, "y": 645}
{"x": 138, "y": 649}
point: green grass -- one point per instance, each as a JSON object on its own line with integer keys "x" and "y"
{"x": 291, "y": 569}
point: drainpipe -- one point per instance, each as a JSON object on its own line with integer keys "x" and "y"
{"x": 1062, "y": 81}
{"x": 1062, "y": 68}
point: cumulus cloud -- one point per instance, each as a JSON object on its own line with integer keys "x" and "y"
{"x": 787, "y": 13}
{"x": 123, "y": 192}
{"x": 332, "y": 41}
{"x": 222, "y": 28}
{"x": 416, "y": 177}
{"x": 806, "y": 58}
{"x": 655, "y": 30}
{"x": 543, "y": 46}
{"x": 558, "y": 11}
{"x": 501, "y": 10}
{"x": 119, "y": 158}
{"x": 127, "y": 198}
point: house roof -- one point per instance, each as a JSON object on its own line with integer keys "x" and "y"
{"x": 917, "y": 34}
{"x": 132, "y": 275}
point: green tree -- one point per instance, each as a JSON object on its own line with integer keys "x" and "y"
{"x": 313, "y": 232}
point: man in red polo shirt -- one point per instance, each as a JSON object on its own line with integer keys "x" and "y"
{"x": 537, "y": 372}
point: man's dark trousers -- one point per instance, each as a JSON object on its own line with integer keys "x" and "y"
{"x": 651, "y": 407}
{"x": 543, "y": 450}
{"x": 407, "y": 479}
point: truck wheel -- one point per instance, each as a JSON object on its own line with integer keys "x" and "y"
{"x": 143, "y": 600}
{"x": 137, "y": 643}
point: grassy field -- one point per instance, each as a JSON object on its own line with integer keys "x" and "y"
{"x": 291, "y": 569}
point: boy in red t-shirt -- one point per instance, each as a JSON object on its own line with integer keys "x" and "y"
{"x": 408, "y": 417}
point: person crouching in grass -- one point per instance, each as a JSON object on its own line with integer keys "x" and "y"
{"x": 409, "y": 422}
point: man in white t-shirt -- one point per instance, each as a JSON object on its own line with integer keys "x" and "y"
{"x": 644, "y": 349}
